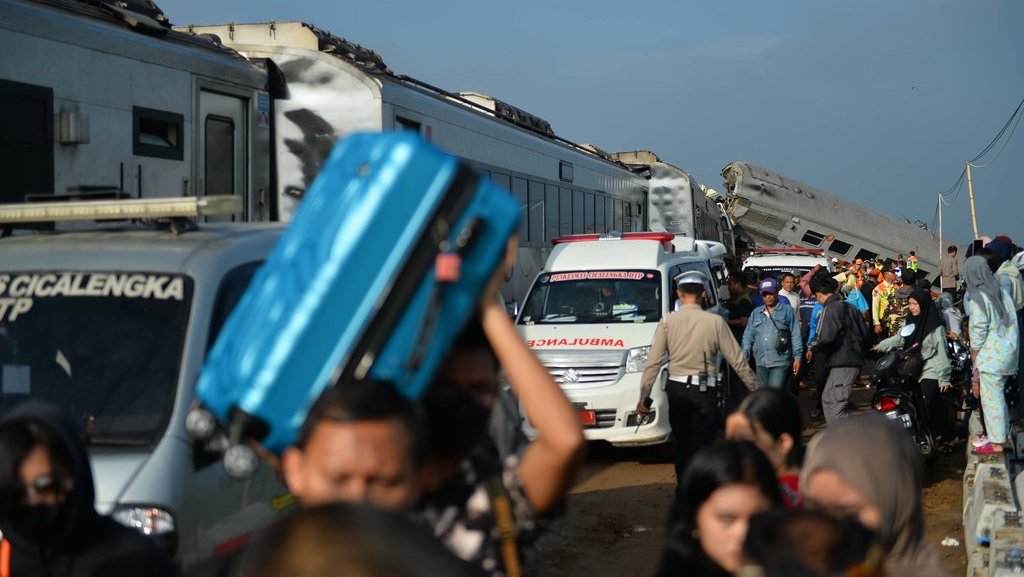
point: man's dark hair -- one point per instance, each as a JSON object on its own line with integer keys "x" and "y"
{"x": 951, "y": 249}
{"x": 824, "y": 285}
{"x": 348, "y": 539}
{"x": 912, "y": 253}
{"x": 785, "y": 274}
{"x": 359, "y": 401}
{"x": 473, "y": 338}
{"x": 691, "y": 288}
{"x": 738, "y": 276}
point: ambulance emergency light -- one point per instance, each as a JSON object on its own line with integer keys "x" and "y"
{"x": 155, "y": 208}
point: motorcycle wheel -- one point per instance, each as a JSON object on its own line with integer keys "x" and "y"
{"x": 926, "y": 444}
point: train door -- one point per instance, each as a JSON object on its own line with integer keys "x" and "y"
{"x": 221, "y": 149}
{"x": 26, "y": 140}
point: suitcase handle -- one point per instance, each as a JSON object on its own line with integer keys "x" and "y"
{"x": 462, "y": 245}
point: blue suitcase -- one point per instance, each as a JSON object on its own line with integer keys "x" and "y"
{"x": 351, "y": 290}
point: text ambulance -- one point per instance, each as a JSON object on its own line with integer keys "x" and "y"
{"x": 590, "y": 318}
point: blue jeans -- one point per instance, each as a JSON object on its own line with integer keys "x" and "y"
{"x": 773, "y": 377}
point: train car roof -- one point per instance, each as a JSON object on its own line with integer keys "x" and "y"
{"x": 307, "y": 36}
{"x": 105, "y": 25}
{"x": 814, "y": 204}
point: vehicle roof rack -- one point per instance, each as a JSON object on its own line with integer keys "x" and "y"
{"x": 178, "y": 211}
{"x": 665, "y": 238}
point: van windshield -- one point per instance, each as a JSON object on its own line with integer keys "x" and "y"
{"x": 591, "y": 297}
{"x": 106, "y": 347}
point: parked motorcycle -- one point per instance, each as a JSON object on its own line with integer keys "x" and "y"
{"x": 898, "y": 393}
{"x": 960, "y": 396}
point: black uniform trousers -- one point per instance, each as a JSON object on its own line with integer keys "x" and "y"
{"x": 693, "y": 416}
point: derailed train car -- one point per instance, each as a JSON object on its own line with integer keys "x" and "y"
{"x": 771, "y": 210}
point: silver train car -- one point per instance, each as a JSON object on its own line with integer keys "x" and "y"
{"x": 324, "y": 87}
{"x": 771, "y": 210}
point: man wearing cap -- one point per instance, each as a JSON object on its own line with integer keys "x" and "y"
{"x": 692, "y": 339}
{"x": 773, "y": 337}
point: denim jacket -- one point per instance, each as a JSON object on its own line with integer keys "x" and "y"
{"x": 761, "y": 335}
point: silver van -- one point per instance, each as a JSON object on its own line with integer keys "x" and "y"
{"x": 113, "y": 325}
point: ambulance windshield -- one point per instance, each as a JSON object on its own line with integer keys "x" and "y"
{"x": 106, "y": 347}
{"x": 594, "y": 297}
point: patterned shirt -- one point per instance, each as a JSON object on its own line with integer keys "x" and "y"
{"x": 460, "y": 513}
{"x": 995, "y": 342}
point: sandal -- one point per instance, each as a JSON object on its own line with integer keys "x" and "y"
{"x": 986, "y": 449}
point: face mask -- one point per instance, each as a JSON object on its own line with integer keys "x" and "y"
{"x": 455, "y": 423}
{"x": 42, "y": 525}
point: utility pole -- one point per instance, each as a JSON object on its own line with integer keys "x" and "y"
{"x": 970, "y": 193}
{"x": 940, "y": 225}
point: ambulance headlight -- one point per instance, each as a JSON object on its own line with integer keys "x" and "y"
{"x": 154, "y": 522}
{"x": 636, "y": 359}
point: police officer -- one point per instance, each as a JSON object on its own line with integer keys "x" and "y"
{"x": 692, "y": 338}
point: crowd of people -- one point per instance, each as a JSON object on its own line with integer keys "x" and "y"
{"x": 448, "y": 485}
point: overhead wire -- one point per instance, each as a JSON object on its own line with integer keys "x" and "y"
{"x": 1000, "y": 134}
{"x": 1014, "y": 120}
{"x": 1003, "y": 147}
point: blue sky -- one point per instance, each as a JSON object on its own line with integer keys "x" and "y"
{"x": 879, "y": 101}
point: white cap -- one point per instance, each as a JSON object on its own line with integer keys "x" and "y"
{"x": 835, "y": 259}
{"x": 691, "y": 277}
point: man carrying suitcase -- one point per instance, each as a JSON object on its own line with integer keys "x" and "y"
{"x": 470, "y": 495}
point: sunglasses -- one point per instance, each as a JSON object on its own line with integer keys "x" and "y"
{"x": 45, "y": 487}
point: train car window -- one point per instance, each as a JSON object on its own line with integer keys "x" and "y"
{"x": 588, "y": 212}
{"x": 812, "y": 237}
{"x": 617, "y": 216}
{"x": 864, "y": 254}
{"x": 157, "y": 133}
{"x": 519, "y": 191}
{"x": 840, "y": 247}
{"x": 220, "y": 155}
{"x": 502, "y": 181}
{"x": 599, "y": 222}
{"x": 402, "y": 123}
{"x": 579, "y": 225}
{"x": 551, "y": 212}
{"x": 565, "y": 211}
{"x": 565, "y": 171}
{"x": 536, "y": 213}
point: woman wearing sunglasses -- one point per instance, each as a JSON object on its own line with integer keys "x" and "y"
{"x": 47, "y": 517}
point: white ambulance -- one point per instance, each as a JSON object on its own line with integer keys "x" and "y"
{"x": 590, "y": 317}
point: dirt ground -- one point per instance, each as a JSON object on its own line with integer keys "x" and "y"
{"x": 614, "y": 523}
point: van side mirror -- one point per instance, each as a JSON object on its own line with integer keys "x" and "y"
{"x": 908, "y": 330}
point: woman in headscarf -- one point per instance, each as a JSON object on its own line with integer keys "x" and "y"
{"x": 868, "y": 468}
{"x": 995, "y": 339}
{"x": 930, "y": 337}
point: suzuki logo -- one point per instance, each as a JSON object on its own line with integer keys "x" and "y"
{"x": 571, "y": 376}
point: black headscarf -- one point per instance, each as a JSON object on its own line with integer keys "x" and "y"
{"x": 926, "y": 322}
{"x": 94, "y": 545}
